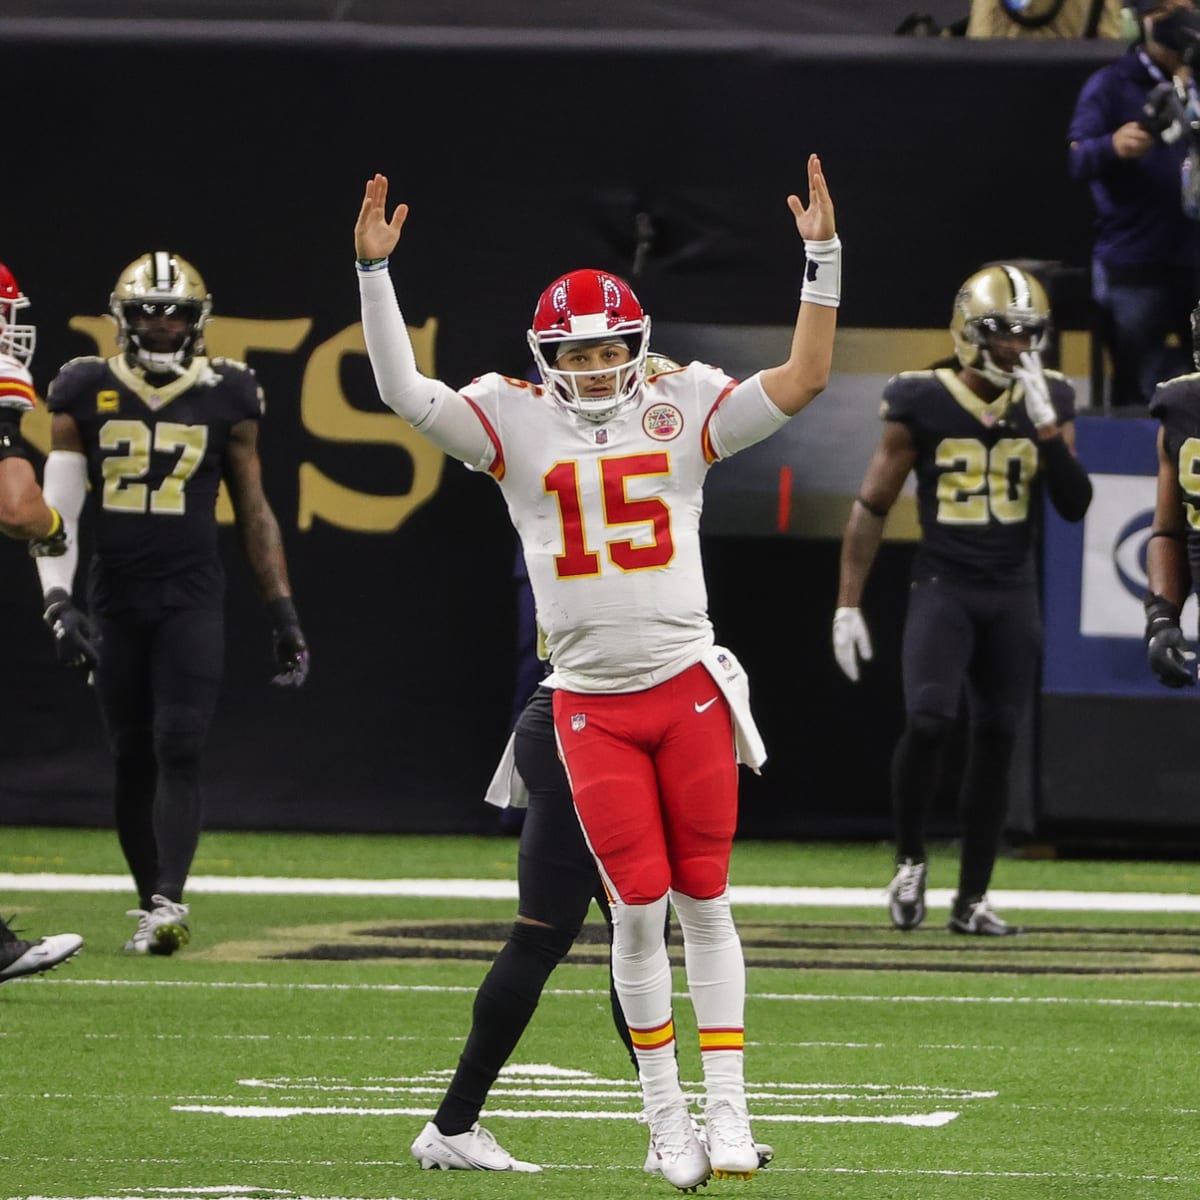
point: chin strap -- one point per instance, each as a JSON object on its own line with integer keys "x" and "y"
{"x": 992, "y": 373}
{"x": 160, "y": 364}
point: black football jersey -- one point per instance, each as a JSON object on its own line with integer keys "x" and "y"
{"x": 977, "y": 472}
{"x": 155, "y": 457}
{"x": 1176, "y": 404}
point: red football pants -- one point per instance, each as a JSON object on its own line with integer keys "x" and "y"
{"x": 654, "y": 779}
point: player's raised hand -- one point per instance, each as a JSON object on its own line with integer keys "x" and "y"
{"x": 814, "y": 223}
{"x": 374, "y": 235}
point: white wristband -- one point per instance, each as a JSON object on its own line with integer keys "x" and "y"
{"x": 823, "y": 272}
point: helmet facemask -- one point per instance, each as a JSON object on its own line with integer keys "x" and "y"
{"x": 569, "y": 388}
{"x": 154, "y": 286}
{"x": 981, "y": 331}
{"x": 16, "y": 341}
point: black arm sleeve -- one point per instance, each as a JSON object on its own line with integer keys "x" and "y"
{"x": 1067, "y": 482}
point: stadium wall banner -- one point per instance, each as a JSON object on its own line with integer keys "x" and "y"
{"x": 1095, "y": 570}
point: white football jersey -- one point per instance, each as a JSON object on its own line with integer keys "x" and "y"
{"x": 16, "y": 385}
{"x": 609, "y": 518}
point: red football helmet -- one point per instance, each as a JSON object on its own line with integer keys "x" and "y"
{"x": 588, "y": 306}
{"x": 16, "y": 341}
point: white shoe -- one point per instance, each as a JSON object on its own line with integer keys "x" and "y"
{"x": 19, "y": 957}
{"x": 162, "y": 930}
{"x": 682, "y": 1159}
{"x": 475, "y": 1150}
{"x": 764, "y": 1150}
{"x": 731, "y": 1149}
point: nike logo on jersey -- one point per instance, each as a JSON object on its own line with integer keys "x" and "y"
{"x": 705, "y": 706}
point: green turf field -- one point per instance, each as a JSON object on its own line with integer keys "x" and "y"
{"x": 300, "y": 1042}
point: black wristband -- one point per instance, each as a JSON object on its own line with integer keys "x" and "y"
{"x": 53, "y": 600}
{"x": 283, "y": 613}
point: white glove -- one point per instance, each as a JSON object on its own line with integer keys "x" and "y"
{"x": 851, "y": 641}
{"x": 1037, "y": 390}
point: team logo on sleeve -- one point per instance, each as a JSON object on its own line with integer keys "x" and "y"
{"x": 578, "y": 722}
{"x": 108, "y": 400}
{"x": 662, "y": 422}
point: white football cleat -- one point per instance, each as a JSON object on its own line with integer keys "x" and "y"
{"x": 162, "y": 930}
{"x": 764, "y": 1150}
{"x": 19, "y": 957}
{"x": 731, "y": 1149}
{"x": 475, "y": 1150}
{"x": 675, "y": 1144}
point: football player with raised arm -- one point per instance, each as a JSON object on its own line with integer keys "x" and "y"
{"x": 25, "y": 516}
{"x": 983, "y": 440}
{"x": 1173, "y": 552}
{"x": 145, "y": 438}
{"x": 602, "y": 471}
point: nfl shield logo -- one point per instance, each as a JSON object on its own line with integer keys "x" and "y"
{"x": 578, "y": 721}
{"x": 601, "y": 437}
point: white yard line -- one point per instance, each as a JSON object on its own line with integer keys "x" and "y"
{"x": 505, "y": 889}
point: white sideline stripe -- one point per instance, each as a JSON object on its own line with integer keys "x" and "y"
{"x": 933, "y": 1120}
{"x": 506, "y": 889}
{"x": 452, "y": 989}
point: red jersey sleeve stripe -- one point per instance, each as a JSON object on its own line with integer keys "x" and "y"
{"x": 710, "y": 455}
{"x": 496, "y": 470}
{"x": 19, "y": 389}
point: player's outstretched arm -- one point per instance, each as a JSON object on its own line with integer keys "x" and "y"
{"x": 794, "y": 383}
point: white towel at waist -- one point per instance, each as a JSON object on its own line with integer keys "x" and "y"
{"x": 507, "y": 789}
{"x": 731, "y": 678}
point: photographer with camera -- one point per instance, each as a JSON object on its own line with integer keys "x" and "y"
{"x": 1133, "y": 139}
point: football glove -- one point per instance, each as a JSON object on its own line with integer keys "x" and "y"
{"x": 851, "y": 641}
{"x": 52, "y": 544}
{"x": 291, "y": 650}
{"x": 75, "y": 639}
{"x": 1166, "y": 647}
{"x": 1037, "y": 391}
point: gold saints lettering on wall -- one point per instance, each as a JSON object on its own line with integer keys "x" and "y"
{"x": 325, "y": 412}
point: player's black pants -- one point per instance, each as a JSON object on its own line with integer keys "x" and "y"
{"x": 157, "y": 683}
{"x": 986, "y": 640}
{"x": 557, "y": 880}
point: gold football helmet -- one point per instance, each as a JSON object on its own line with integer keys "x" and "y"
{"x": 1000, "y": 300}
{"x": 160, "y": 284}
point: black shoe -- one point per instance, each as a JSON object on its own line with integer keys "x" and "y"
{"x": 978, "y": 917}
{"x": 906, "y": 894}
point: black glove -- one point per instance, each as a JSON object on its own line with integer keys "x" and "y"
{"x": 1166, "y": 647}
{"x": 291, "y": 650}
{"x": 52, "y": 544}
{"x": 75, "y": 639}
